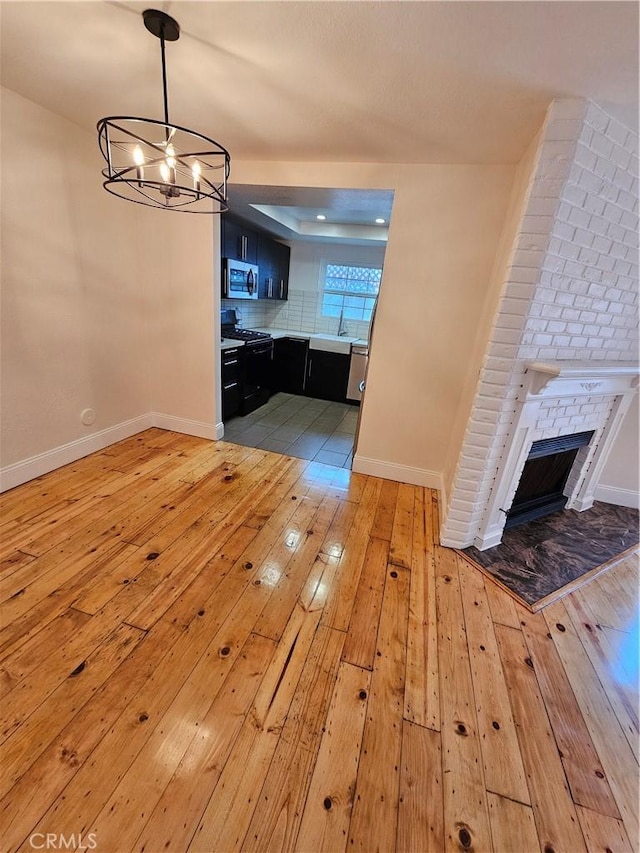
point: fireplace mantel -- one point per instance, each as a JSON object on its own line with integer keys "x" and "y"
{"x": 575, "y": 379}
{"x": 543, "y": 382}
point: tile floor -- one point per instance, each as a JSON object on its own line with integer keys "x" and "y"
{"x": 299, "y": 426}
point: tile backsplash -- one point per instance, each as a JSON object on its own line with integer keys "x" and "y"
{"x": 301, "y": 313}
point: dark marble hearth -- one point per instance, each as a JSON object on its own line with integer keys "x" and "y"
{"x": 542, "y": 556}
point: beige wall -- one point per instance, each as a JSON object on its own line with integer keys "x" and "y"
{"x": 622, "y": 468}
{"x": 445, "y": 227}
{"x": 105, "y": 304}
{"x": 491, "y": 301}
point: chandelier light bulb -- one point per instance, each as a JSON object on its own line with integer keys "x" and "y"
{"x": 138, "y": 156}
{"x": 171, "y": 156}
{"x": 195, "y": 171}
{"x": 164, "y": 171}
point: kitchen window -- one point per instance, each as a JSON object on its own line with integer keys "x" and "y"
{"x": 351, "y": 290}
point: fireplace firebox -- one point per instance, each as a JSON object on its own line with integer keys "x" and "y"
{"x": 545, "y": 474}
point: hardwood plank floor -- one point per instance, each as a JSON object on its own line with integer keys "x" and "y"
{"x": 210, "y": 648}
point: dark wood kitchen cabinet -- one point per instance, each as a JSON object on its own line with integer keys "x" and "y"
{"x": 239, "y": 241}
{"x": 289, "y": 364}
{"x": 327, "y": 375}
{"x": 232, "y": 381}
{"x": 273, "y": 268}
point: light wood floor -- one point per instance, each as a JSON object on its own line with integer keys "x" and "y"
{"x": 211, "y": 648}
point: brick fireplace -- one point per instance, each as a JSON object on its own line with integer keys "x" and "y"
{"x": 562, "y": 356}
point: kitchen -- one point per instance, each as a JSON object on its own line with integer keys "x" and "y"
{"x": 301, "y": 272}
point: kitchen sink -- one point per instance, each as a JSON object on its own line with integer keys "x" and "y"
{"x": 331, "y": 343}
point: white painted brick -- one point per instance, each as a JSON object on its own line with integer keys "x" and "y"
{"x": 585, "y": 158}
{"x": 579, "y": 217}
{"x": 564, "y": 230}
{"x": 592, "y": 183}
{"x": 536, "y": 224}
{"x": 533, "y": 242}
{"x": 613, "y": 213}
{"x": 553, "y": 312}
{"x": 595, "y": 343}
{"x": 557, "y": 150}
{"x": 500, "y": 335}
{"x": 527, "y": 258}
{"x": 601, "y": 244}
{"x": 605, "y": 169}
{"x": 563, "y": 129}
{"x": 583, "y": 237}
{"x": 597, "y": 290}
{"x": 622, "y": 267}
{"x": 570, "y": 314}
{"x": 567, "y": 299}
{"x": 617, "y": 132}
{"x": 546, "y": 188}
{"x": 593, "y": 204}
{"x": 588, "y": 256}
{"x": 595, "y": 117}
{"x": 616, "y": 232}
{"x": 523, "y": 275}
{"x": 554, "y": 169}
{"x": 520, "y": 291}
{"x": 623, "y": 179}
{"x": 542, "y": 340}
{"x": 592, "y": 274}
{"x": 598, "y": 225}
{"x": 568, "y": 108}
{"x": 548, "y": 206}
{"x": 627, "y": 201}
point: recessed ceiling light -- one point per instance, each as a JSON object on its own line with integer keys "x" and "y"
{"x": 380, "y": 221}
{"x": 321, "y": 217}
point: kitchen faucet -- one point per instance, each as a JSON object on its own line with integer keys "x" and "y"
{"x": 342, "y": 326}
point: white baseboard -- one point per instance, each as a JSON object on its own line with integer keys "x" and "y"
{"x": 198, "y": 428}
{"x": 619, "y": 497}
{"x": 399, "y": 473}
{"x": 21, "y": 472}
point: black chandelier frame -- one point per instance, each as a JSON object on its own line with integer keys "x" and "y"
{"x": 189, "y": 168}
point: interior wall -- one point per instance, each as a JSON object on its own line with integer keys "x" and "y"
{"x": 512, "y": 221}
{"x": 620, "y": 480}
{"x": 181, "y": 254}
{"x": 105, "y": 304}
{"x": 73, "y": 288}
{"x": 443, "y": 235}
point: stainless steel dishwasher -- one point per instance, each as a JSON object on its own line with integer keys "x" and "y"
{"x": 357, "y": 370}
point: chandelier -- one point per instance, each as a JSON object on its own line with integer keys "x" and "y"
{"x": 158, "y": 163}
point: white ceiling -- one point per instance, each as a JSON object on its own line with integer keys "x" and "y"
{"x": 414, "y": 82}
{"x": 291, "y": 212}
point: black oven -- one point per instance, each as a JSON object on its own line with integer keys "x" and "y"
{"x": 255, "y": 357}
{"x": 258, "y": 358}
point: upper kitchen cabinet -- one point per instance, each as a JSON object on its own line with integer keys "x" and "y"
{"x": 283, "y": 254}
{"x": 273, "y": 266}
{"x": 254, "y": 246}
{"x": 239, "y": 242}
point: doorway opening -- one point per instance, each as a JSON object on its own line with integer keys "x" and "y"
{"x": 298, "y": 330}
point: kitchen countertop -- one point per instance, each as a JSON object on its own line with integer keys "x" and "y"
{"x": 292, "y": 333}
{"x": 228, "y": 343}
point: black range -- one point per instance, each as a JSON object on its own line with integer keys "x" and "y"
{"x": 250, "y": 383}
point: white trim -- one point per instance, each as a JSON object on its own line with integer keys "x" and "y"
{"x": 28, "y": 469}
{"x": 399, "y": 473}
{"x": 618, "y": 497}
{"x": 200, "y": 429}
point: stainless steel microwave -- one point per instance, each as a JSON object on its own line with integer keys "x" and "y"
{"x": 239, "y": 280}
